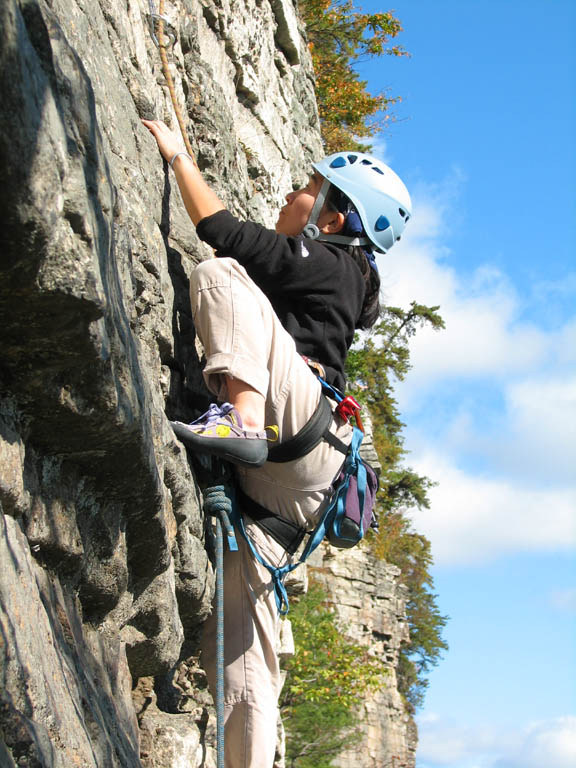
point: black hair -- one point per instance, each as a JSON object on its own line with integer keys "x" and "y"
{"x": 338, "y": 202}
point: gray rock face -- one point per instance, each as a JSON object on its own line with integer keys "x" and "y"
{"x": 105, "y": 580}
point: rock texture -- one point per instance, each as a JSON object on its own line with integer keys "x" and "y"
{"x": 104, "y": 579}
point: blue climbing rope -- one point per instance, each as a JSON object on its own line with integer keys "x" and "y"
{"x": 218, "y": 504}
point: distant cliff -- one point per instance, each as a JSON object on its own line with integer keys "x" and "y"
{"x": 104, "y": 578}
{"x": 370, "y": 606}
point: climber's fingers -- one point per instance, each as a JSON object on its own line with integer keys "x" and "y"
{"x": 168, "y": 142}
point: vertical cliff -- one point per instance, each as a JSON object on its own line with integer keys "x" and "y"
{"x": 370, "y": 607}
{"x": 104, "y": 579}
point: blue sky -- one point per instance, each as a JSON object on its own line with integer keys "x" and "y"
{"x": 485, "y": 139}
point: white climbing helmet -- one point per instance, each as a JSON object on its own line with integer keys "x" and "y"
{"x": 378, "y": 194}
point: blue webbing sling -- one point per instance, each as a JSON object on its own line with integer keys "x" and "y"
{"x": 332, "y": 517}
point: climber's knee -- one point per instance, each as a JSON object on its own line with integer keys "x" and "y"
{"x": 212, "y": 273}
{"x": 219, "y": 273}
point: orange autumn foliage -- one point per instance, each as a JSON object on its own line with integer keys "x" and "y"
{"x": 339, "y": 36}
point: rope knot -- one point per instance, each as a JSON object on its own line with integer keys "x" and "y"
{"x": 218, "y": 503}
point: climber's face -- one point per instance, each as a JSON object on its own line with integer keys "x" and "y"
{"x": 294, "y": 216}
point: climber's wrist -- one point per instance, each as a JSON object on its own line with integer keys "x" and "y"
{"x": 199, "y": 199}
{"x": 181, "y": 153}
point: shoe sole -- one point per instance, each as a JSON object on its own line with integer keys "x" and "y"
{"x": 250, "y": 453}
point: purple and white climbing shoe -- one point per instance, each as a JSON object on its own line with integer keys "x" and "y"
{"x": 219, "y": 432}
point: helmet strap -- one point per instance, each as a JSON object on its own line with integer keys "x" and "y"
{"x": 343, "y": 240}
{"x": 311, "y": 229}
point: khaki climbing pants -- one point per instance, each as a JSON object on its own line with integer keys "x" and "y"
{"x": 244, "y": 339}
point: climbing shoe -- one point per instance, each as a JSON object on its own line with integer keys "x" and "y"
{"x": 219, "y": 432}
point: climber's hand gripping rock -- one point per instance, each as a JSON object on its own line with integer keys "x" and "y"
{"x": 199, "y": 199}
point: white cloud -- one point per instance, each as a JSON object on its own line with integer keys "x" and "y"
{"x": 446, "y": 743}
{"x": 540, "y": 435}
{"x": 550, "y": 743}
{"x": 502, "y": 442}
{"x": 564, "y": 600}
{"x": 566, "y": 342}
{"x": 552, "y": 290}
{"x": 485, "y": 335}
{"x": 381, "y": 150}
{"x": 544, "y": 744}
{"x": 524, "y": 431}
{"x": 474, "y": 518}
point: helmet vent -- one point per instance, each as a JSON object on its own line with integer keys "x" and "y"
{"x": 352, "y": 159}
{"x": 366, "y": 162}
{"x": 374, "y": 168}
{"x": 338, "y": 162}
{"x": 402, "y": 212}
{"x": 381, "y": 224}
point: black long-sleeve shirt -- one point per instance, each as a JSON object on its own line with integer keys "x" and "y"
{"x": 316, "y": 289}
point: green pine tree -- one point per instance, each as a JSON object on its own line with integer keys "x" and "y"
{"x": 374, "y": 365}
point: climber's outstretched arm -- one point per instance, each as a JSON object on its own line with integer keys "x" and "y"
{"x": 199, "y": 199}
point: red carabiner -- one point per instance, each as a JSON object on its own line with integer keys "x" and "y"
{"x": 349, "y": 407}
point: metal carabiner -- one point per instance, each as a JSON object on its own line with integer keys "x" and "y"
{"x": 169, "y": 30}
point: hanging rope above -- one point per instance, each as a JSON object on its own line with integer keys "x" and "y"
{"x": 164, "y": 40}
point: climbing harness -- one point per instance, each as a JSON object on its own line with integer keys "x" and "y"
{"x": 335, "y": 524}
{"x": 159, "y": 24}
{"x": 289, "y": 535}
{"x": 348, "y": 513}
{"x": 218, "y": 504}
{"x": 317, "y": 428}
{"x": 305, "y": 440}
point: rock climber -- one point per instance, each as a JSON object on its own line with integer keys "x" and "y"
{"x": 272, "y": 307}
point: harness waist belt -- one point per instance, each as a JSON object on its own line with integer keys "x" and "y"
{"x": 287, "y": 534}
{"x": 312, "y": 433}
